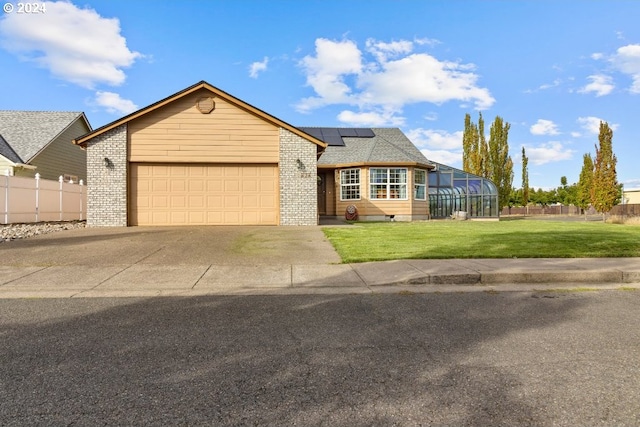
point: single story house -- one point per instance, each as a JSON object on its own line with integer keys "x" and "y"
{"x": 631, "y": 196}
{"x": 204, "y": 157}
{"x": 38, "y": 142}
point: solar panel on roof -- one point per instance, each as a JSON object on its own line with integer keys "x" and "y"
{"x": 365, "y": 133}
{"x": 316, "y": 132}
{"x": 333, "y": 140}
{"x": 333, "y": 136}
{"x": 330, "y": 131}
{"x": 347, "y": 132}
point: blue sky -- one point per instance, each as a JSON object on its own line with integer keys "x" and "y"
{"x": 552, "y": 69}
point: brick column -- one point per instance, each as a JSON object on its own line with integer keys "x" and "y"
{"x": 298, "y": 180}
{"x": 107, "y": 179}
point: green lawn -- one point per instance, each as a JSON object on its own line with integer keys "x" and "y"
{"x": 475, "y": 239}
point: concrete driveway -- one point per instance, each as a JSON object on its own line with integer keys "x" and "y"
{"x": 224, "y": 245}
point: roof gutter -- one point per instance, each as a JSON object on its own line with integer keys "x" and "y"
{"x": 25, "y": 166}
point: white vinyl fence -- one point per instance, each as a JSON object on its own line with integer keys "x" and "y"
{"x": 35, "y": 200}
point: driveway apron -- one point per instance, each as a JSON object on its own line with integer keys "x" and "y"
{"x": 162, "y": 246}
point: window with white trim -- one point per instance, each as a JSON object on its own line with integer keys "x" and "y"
{"x": 419, "y": 184}
{"x": 388, "y": 183}
{"x": 350, "y": 184}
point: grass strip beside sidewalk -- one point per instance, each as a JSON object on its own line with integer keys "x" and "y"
{"x": 475, "y": 239}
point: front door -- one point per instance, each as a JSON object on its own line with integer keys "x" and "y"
{"x": 322, "y": 194}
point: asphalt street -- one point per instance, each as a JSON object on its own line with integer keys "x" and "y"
{"x": 481, "y": 358}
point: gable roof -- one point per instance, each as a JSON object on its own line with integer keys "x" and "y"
{"x": 26, "y": 133}
{"x": 387, "y": 146}
{"x": 7, "y": 152}
{"x": 82, "y": 141}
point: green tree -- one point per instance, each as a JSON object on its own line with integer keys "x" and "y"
{"x": 500, "y": 166}
{"x": 474, "y": 147}
{"x": 604, "y": 191}
{"x": 540, "y": 197}
{"x": 515, "y": 197}
{"x": 583, "y": 191}
{"x": 525, "y": 178}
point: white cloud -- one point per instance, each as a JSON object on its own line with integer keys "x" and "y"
{"x": 431, "y": 116}
{"x": 549, "y": 152}
{"x": 75, "y": 45}
{"x": 427, "y": 41}
{"x": 627, "y": 60}
{"x": 597, "y": 56}
{"x": 258, "y": 67}
{"x": 392, "y": 77}
{"x": 450, "y": 158}
{"x": 326, "y": 71}
{"x": 423, "y": 78}
{"x": 370, "y": 118}
{"x": 592, "y": 124}
{"x": 544, "y": 127}
{"x": 440, "y": 139}
{"x": 438, "y": 145}
{"x": 114, "y": 104}
{"x": 382, "y": 51}
{"x": 600, "y": 84}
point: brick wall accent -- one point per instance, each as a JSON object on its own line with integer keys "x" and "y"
{"x": 107, "y": 185}
{"x": 298, "y": 180}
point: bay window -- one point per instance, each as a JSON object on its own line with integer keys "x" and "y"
{"x": 388, "y": 183}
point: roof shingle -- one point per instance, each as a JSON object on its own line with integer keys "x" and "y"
{"x": 28, "y": 132}
{"x": 387, "y": 145}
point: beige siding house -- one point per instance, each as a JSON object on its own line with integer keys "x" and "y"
{"x": 40, "y": 142}
{"x": 631, "y": 196}
{"x": 201, "y": 157}
{"x": 204, "y": 157}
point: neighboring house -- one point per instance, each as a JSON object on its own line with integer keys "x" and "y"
{"x": 40, "y": 142}
{"x": 631, "y": 196}
{"x": 204, "y": 157}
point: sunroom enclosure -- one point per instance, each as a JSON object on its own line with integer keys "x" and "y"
{"x": 452, "y": 190}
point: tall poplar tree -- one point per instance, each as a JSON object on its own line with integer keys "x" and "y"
{"x": 583, "y": 194}
{"x": 605, "y": 190}
{"x": 500, "y": 165}
{"x": 489, "y": 160}
{"x": 525, "y": 178}
{"x": 474, "y": 147}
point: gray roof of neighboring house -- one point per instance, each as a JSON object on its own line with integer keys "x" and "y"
{"x": 28, "y": 132}
{"x": 7, "y": 152}
{"x": 387, "y": 145}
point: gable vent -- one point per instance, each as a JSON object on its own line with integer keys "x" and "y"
{"x": 205, "y": 105}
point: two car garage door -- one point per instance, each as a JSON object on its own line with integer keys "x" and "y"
{"x": 187, "y": 194}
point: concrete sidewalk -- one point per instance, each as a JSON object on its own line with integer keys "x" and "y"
{"x": 450, "y": 275}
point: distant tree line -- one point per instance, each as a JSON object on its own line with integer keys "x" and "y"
{"x": 597, "y": 187}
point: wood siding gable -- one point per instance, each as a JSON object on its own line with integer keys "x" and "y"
{"x": 219, "y": 95}
{"x": 179, "y": 132}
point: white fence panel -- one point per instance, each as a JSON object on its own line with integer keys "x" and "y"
{"x": 34, "y": 200}
{"x": 48, "y": 200}
{"x": 20, "y": 199}
{"x": 74, "y": 201}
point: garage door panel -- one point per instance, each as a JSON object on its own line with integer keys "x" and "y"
{"x": 196, "y": 201}
{"x": 164, "y": 194}
{"x": 215, "y": 185}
